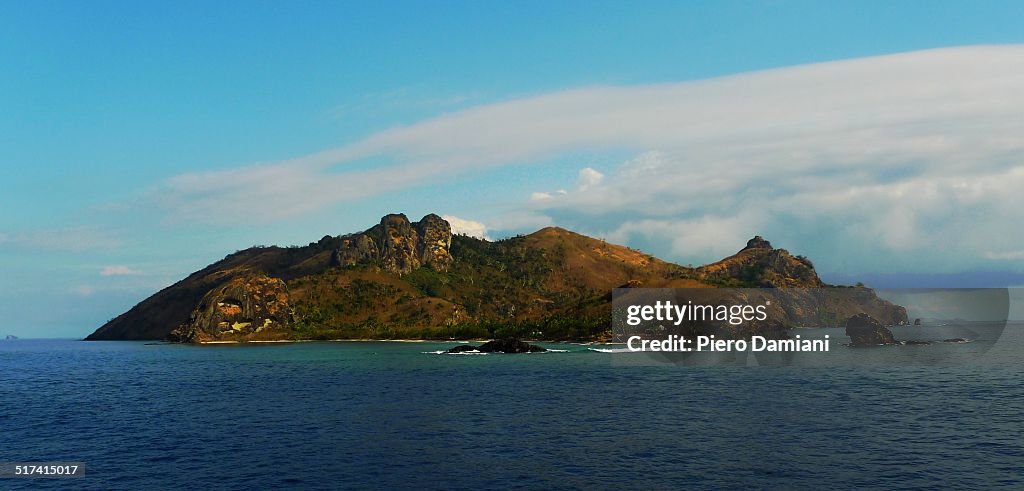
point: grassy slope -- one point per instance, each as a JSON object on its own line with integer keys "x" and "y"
{"x": 551, "y": 284}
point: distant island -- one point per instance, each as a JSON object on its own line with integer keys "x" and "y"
{"x": 416, "y": 280}
{"x": 10, "y": 337}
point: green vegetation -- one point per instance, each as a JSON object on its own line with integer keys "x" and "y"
{"x": 493, "y": 289}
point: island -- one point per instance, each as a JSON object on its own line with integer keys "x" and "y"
{"x": 416, "y": 280}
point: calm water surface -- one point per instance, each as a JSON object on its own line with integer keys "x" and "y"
{"x": 385, "y": 415}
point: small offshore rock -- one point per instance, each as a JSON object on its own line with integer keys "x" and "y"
{"x": 500, "y": 346}
{"x": 510, "y": 346}
{"x": 864, "y": 330}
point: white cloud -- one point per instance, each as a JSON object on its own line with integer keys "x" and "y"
{"x": 912, "y": 159}
{"x": 706, "y": 238}
{"x": 118, "y": 271}
{"x": 544, "y": 195}
{"x": 1006, "y": 255}
{"x": 376, "y": 104}
{"x": 588, "y": 178}
{"x": 467, "y": 227}
{"x": 645, "y": 164}
{"x": 928, "y": 222}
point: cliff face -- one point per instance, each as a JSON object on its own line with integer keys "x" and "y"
{"x": 434, "y": 242}
{"x": 801, "y": 297}
{"x": 398, "y": 245}
{"x": 248, "y": 307}
{"x": 415, "y": 279}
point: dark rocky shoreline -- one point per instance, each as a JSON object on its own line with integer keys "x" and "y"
{"x": 864, "y": 331}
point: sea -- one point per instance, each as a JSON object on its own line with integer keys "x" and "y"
{"x": 395, "y": 415}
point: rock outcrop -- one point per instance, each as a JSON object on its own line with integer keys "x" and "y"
{"x": 864, "y": 330}
{"x": 760, "y": 265}
{"x": 508, "y": 345}
{"x": 398, "y": 245}
{"x": 758, "y": 242}
{"x": 355, "y": 249}
{"x": 239, "y": 310}
{"x": 435, "y": 242}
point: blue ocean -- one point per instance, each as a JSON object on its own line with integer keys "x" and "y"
{"x": 385, "y": 415}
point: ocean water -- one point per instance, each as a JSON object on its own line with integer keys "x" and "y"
{"x": 385, "y": 415}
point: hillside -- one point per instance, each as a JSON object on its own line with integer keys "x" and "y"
{"x": 402, "y": 279}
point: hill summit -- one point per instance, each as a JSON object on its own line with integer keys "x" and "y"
{"x": 403, "y": 279}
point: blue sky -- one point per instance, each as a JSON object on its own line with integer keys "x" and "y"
{"x": 140, "y": 141}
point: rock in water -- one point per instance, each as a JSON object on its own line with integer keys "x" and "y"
{"x": 500, "y": 346}
{"x": 917, "y": 322}
{"x": 242, "y": 307}
{"x": 509, "y": 346}
{"x": 864, "y": 330}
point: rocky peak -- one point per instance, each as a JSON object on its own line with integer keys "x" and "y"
{"x": 757, "y": 242}
{"x": 395, "y": 220}
{"x": 400, "y": 246}
{"x": 759, "y": 264}
{"x": 435, "y": 235}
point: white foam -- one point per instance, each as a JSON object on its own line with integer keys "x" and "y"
{"x": 445, "y": 352}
